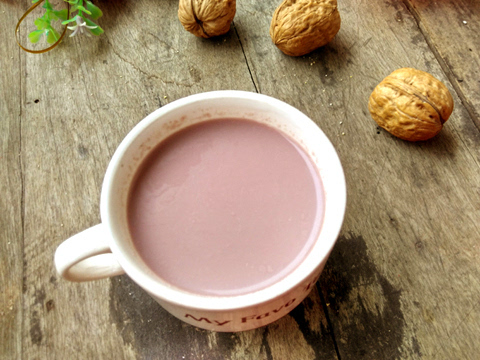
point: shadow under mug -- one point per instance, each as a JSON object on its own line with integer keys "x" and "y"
{"x": 107, "y": 249}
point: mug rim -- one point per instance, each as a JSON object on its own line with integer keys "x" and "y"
{"x": 183, "y": 298}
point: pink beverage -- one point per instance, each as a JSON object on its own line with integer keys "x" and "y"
{"x": 225, "y": 207}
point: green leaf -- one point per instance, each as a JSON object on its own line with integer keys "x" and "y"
{"x": 52, "y": 35}
{"x": 50, "y": 15}
{"x": 97, "y": 31}
{"x": 35, "y": 35}
{"x": 35, "y": 1}
{"x": 94, "y": 10}
{"x": 61, "y": 14}
{"x": 81, "y": 8}
{"x": 47, "y": 5}
{"x": 41, "y": 24}
{"x": 69, "y": 20}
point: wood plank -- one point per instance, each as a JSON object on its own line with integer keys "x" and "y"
{"x": 11, "y": 219}
{"x": 452, "y": 29}
{"x": 402, "y": 281}
{"x": 65, "y": 151}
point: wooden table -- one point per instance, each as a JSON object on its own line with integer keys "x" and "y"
{"x": 403, "y": 281}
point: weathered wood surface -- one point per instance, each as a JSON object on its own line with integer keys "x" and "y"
{"x": 11, "y": 196}
{"x": 452, "y": 30}
{"x": 403, "y": 280}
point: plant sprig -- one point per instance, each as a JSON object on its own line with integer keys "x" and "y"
{"x": 82, "y": 12}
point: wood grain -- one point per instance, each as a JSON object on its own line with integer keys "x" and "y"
{"x": 11, "y": 191}
{"x": 403, "y": 279}
{"x": 452, "y": 28}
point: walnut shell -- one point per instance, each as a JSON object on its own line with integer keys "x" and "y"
{"x": 411, "y": 104}
{"x": 301, "y": 26}
{"x": 206, "y": 18}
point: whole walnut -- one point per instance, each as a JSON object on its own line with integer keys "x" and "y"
{"x": 206, "y": 18}
{"x": 301, "y": 26}
{"x": 411, "y": 104}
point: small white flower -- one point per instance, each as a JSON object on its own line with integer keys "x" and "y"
{"x": 80, "y": 27}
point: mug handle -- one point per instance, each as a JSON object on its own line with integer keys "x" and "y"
{"x": 86, "y": 256}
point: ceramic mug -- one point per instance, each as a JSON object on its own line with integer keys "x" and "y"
{"x": 107, "y": 249}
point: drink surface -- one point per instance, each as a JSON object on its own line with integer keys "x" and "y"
{"x": 225, "y": 207}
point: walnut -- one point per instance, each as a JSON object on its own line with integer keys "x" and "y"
{"x": 206, "y": 18}
{"x": 411, "y": 104}
{"x": 301, "y": 26}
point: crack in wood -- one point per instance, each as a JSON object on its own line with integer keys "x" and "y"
{"x": 148, "y": 76}
{"x": 443, "y": 64}
{"x": 22, "y": 198}
{"x": 266, "y": 345}
{"x": 329, "y": 322}
{"x": 245, "y": 56}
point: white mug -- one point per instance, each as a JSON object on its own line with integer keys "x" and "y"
{"x": 107, "y": 249}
